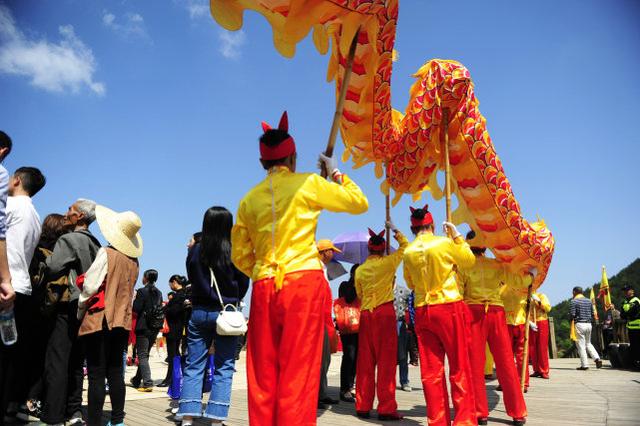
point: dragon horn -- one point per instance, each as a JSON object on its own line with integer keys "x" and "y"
{"x": 265, "y": 126}
{"x": 284, "y": 122}
{"x": 412, "y": 209}
{"x": 426, "y": 207}
{"x": 381, "y": 234}
{"x": 371, "y": 233}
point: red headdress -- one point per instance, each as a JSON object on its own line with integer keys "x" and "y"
{"x": 424, "y": 221}
{"x": 282, "y": 150}
{"x": 378, "y": 245}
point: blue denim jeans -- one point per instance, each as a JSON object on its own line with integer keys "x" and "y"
{"x": 201, "y": 331}
{"x": 403, "y": 351}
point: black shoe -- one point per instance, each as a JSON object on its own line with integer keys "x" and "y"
{"x": 519, "y": 422}
{"x": 329, "y": 401}
{"x": 363, "y": 414}
{"x": 322, "y": 406}
{"x": 393, "y": 417}
{"x": 163, "y": 384}
{"x": 483, "y": 421}
{"x": 134, "y": 383}
{"x": 598, "y": 363}
{"x": 582, "y": 368}
{"x": 347, "y": 397}
{"x": 499, "y": 388}
{"x": 536, "y": 375}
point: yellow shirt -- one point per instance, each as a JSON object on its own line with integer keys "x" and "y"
{"x": 275, "y": 229}
{"x": 515, "y": 301}
{"x": 541, "y": 311}
{"x": 430, "y": 268}
{"x": 482, "y": 284}
{"x": 374, "y": 278}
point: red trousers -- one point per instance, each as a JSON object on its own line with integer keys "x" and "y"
{"x": 377, "y": 347}
{"x": 442, "y": 330}
{"x": 517, "y": 346}
{"x": 284, "y": 347}
{"x": 491, "y": 327}
{"x": 539, "y": 348}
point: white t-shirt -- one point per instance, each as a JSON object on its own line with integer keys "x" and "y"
{"x": 23, "y": 235}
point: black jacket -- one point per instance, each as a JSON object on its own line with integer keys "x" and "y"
{"x": 233, "y": 283}
{"x": 147, "y": 297}
{"x": 175, "y": 313}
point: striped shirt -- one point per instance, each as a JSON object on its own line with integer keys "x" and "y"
{"x": 581, "y": 309}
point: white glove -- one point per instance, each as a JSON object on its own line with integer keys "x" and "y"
{"x": 450, "y": 228}
{"x": 533, "y": 271}
{"x": 391, "y": 226}
{"x": 330, "y": 163}
{"x": 533, "y": 326}
{"x": 536, "y": 298}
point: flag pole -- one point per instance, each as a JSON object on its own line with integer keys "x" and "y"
{"x": 525, "y": 354}
{"x": 447, "y": 166}
{"x": 387, "y": 206}
{"x": 341, "y": 98}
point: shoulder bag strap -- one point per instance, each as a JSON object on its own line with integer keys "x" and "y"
{"x": 214, "y": 282}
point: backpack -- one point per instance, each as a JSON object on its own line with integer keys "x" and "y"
{"x": 154, "y": 316}
{"x": 47, "y": 294}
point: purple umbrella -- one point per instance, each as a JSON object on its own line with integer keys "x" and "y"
{"x": 353, "y": 246}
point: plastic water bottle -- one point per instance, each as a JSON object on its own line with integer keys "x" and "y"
{"x": 8, "y": 330}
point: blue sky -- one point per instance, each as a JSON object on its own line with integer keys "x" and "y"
{"x": 150, "y": 106}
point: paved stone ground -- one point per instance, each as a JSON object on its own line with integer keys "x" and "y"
{"x": 570, "y": 397}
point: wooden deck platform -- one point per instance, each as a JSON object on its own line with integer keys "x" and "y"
{"x": 594, "y": 397}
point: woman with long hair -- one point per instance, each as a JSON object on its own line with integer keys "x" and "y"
{"x": 211, "y": 256}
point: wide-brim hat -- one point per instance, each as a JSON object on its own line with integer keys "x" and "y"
{"x": 121, "y": 230}
{"x": 327, "y": 245}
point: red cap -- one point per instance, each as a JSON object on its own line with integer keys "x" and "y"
{"x": 376, "y": 247}
{"x": 427, "y": 220}
{"x": 284, "y": 149}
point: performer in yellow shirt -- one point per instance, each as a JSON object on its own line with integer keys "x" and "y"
{"x": 539, "y": 338}
{"x": 430, "y": 269}
{"x": 514, "y": 298}
{"x": 482, "y": 287}
{"x": 378, "y": 336}
{"x": 273, "y": 242}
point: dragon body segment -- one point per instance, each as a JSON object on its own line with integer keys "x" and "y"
{"x": 408, "y": 146}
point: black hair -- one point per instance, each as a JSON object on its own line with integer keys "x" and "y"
{"x": 271, "y": 138}
{"x": 5, "y": 142}
{"x": 151, "y": 275}
{"x": 376, "y": 240}
{"x": 215, "y": 247}
{"x": 577, "y": 290}
{"x": 179, "y": 279}
{"x": 420, "y": 214}
{"x": 31, "y": 178}
{"x": 197, "y": 237}
{"x": 476, "y": 250}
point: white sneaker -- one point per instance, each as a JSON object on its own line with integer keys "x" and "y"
{"x": 406, "y": 388}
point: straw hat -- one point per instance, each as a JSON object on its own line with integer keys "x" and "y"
{"x": 121, "y": 230}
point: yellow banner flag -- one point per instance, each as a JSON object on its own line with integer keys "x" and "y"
{"x": 604, "y": 289}
{"x": 572, "y": 331}
{"x": 592, "y": 296}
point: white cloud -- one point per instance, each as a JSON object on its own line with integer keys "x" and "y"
{"x": 230, "y": 43}
{"x": 128, "y": 26}
{"x": 196, "y": 8}
{"x": 55, "y": 67}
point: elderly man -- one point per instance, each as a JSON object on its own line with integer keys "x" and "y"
{"x": 72, "y": 255}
